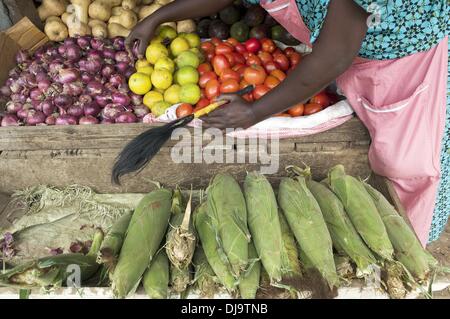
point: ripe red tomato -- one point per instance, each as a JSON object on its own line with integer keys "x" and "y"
{"x": 220, "y": 63}
{"x": 222, "y": 48}
{"x": 184, "y": 109}
{"x": 207, "y": 46}
{"x": 248, "y": 97}
{"x": 282, "y": 115}
{"x": 253, "y": 45}
{"x": 321, "y": 98}
{"x": 238, "y": 58}
{"x": 210, "y": 56}
{"x": 243, "y": 84}
{"x": 295, "y": 58}
{"x": 297, "y": 110}
{"x": 205, "y": 78}
{"x": 253, "y": 59}
{"x": 265, "y": 57}
{"x": 229, "y": 86}
{"x": 204, "y": 67}
{"x": 212, "y": 89}
{"x": 312, "y": 108}
{"x": 255, "y": 74}
{"x": 271, "y": 82}
{"x": 280, "y": 75}
{"x": 288, "y": 51}
{"x": 259, "y": 91}
{"x": 216, "y": 41}
{"x": 201, "y": 104}
{"x": 228, "y": 74}
{"x": 270, "y": 66}
{"x": 240, "y": 69}
{"x": 282, "y": 61}
{"x": 277, "y": 51}
{"x": 230, "y": 58}
{"x": 268, "y": 45}
{"x": 240, "y": 48}
{"x": 233, "y": 41}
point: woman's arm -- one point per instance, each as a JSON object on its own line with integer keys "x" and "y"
{"x": 333, "y": 52}
{"x": 174, "y": 11}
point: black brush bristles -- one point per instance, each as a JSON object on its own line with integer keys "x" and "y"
{"x": 139, "y": 151}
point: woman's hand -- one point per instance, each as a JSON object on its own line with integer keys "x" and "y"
{"x": 143, "y": 32}
{"x": 238, "y": 113}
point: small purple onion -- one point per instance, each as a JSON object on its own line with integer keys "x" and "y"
{"x": 35, "y": 68}
{"x": 84, "y": 99}
{"x": 44, "y": 85}
{"x": 19, "y": 98}
{"x": 126, "y": 117}
{"x": 51, "y": 119}
{"x": 48, "y": 107}
{"x": 68, "y": 75}
{"x": 84, "y": 42}
{"x": 88, "y": 119}
{"x": 91, "y": 109}
{"x": 136, "y": 99}
{"x": 55, "y": 66}
{"x": 102, "y": 100}
{"x": 86, "y": 77}
{"x": 66, "y": 120}
{"x": 70, "y": 41}
{"x": 121, "y": 99}
{"x": 108, "y": 70}
{"x": 116, "y": 80}
{"x": 63, "y": 100}
{"x": 94, "y": 87}
{"x": 94, "y": 55}
{"x": 75, "y": 110}
{"x": 91, "y": 66}
{"x": 111, "y": 111}
{"x": 36, "y": 105}
{"x": 97, "y": 43}
{"x": 141, "y": 110}
{"x": 109, "y": 53}
{"x": 62, "y": 49}
{"x": 22, "y": 56}
{"x": 42, "y": 76}
{"x": 35, "y": 117}
{"x": 122, "y": 56}
{"x": 122, "y": 67}
{"x": 9, "y": 120}
{"x": 36, "y": 95}
{"x": 118, "y": 43}
{"x": 74, "y": 88}
{"x": 23, "y": 112}
{"x": 54, "y": 89}
{"x": 13, "y": 107}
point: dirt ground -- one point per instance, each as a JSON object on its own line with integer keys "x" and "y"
{"x": 441, "y": 251}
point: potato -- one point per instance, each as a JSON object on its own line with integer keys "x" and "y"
{"x": 117, "y": 30}
{"x": 187, "y": 26}
{"x": 55, "y": 29}
{"x": 127, "y": 19}
{"x": 100, "y": 10}
{"x": 99, "y": 28}
{"x": 148, "y": 10}
{"x": 50, "y": 8}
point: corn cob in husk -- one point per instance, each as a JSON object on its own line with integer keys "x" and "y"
{"x": 290, "y": 259}
{"x": 362, "y": 211}
{"x": 179, "y": 279}
{"x": 342, "y": 231}
{"x": 144, "y": 235}
{"x": 156, "y": 277}
{"x": 262, "y": 215}
{"x": 306, "y": 221}
{"x": 214, "y": 253}
{"x": 205, "y": 279}
{"x": 408, "y": 249}
{"x": 228, "y": 214}
{"x": 109, "y": 251}
{"x": 249, "y": 283}
{"x": 54, "y": 271}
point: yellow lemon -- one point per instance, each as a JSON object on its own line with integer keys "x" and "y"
{"x": 193, "y": 40}
{"x": 140, "y": 83}
{"x": 151, "y": 98}
{"x": 165, "y": 63}
{"x": 156, "y": 39}
{"x": 167, "y": 32}
{"x": 141, "y": 63}
{"x": 159, "y": 108}
{"x": 186, "y": 75}
{"x": 172, "y": 94}
{"x": 190, "y": 93}
{"x": 155, "y": 51}
{"x": 179, "y": 45}
{"x": 161, "y": 78}
{"x": 146, "y": 70}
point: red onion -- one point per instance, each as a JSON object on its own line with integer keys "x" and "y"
{"x": 66, "y": 120}
{"x": 129, "y": 72}
{"x": 91, "y": 109}
{"x": 70, "y": 41}
{"x": 15, "y": 87}
{"x": 23, "y": 112}
{"x": 36, "y": 105}
{"x": 122, "y": 56}
{"x": 13, "y": 107}
{"x": 68, "y": 75}
{"x": 91, "y": 66}
{"x": 88, "y": 119}
{"x": 5, "y": 91}
{"x": 86, "y": 77}
{"x": 120, "y": 99}
{"x": 55, "y": 66}
{"x": 44, "y": 85}
{"x": 35, "y": 117}
{"x": 107, "y": 121}
{"x": 73, "y": 89}
{"x": 20, "y": 98}
{"x": 118, "y": 43}
{"x": 122, "y": 66}
{"x": 94, "y": 55}
{"x": 41, "y": 76}
{"x": 140, "y": 110}
{"x": 126, "y": 117}
{"x": 51, "y": 51}
{"x": 36, "y": 95}
{"x": 22, "y": 56}
{"x": 84, "y": 42}
{"x": 51, "y": 119}
{"x": 62, "y": 49}
{"x": 30, "y": 80}
{"x": 75, "y": 110}
{"x": 63, "y": 100}
{"x": 84, "y": 99}
{"x": 116, "y": 80}
{"x": 136, "y": 99}
{"x": 14, "y": 73}
{"x": 54, "y": 89}
{"x": 108, "y": 70}
{"x": 109, "y": 53}
{"x": 35, "y": 68}
{"x": 111, "y": 111}
{"x": 48, "y": 107}
{"x": 10, "y": 120}
{"x": 102, "y": 100}
{"x": 94, "y": 87}
{"x": 97, "y": 44}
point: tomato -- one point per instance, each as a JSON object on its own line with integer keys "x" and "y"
{"x": 334, "y": 98}
{"x": 229, "y": 86}
{"x": 205, "y": 78}
{"x": 220, "y": 63}
{"x": 259, "y": 91}
{"x": 295, "y": 58}
{"x": 248, "y": 97}
{"x": 210, "y": 56}
{"x": 233, "y": 41}
{"x": 282, "y": 115}
{"x": 238, "y": 58}
{"x": 212, "y": 89}
{"x": 201, "y": 104}
{"x": 265, "y": 57}
{"x": 312, "y": 108}
{"x": 230, "y": 58}
{"x": 289, "y": 51}
{"x": 184, "y": 109}
{"x": 246, "y": 55}
{"x": 321, "y": 98}
{"x": 282, "y": 61}
{"x": 222, "y": 48}
{"x": 277, "y": 51}
{"x": 255, "y": 74}
{"x": 207, "y": 46}
{"x": 216, "y": 41}
{"x": 297, "y": 110}
{"x": 280, "y": 75}
{"x": 252, "y": 45}
{"x": 243, "y": 84}
{"x": 253, "y": 59}
{"x": 240, "y": 69}
{"x": 240, "y": 48}
{"x": 271, "y": 82}
{"x": 204, "y": 67}
{"x": 270, "y": 66}
{"x": 229, "y": 74}
{"x": 268, "y": 45}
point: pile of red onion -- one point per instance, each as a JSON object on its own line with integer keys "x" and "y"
{"x": 80, "y": 81}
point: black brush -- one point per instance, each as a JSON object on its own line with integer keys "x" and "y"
{"x": 139, "y": 151}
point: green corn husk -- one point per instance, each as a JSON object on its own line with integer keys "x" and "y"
{"x": 249, "y": 283}
{"x": 228, "y": 215}
{"x": 180, "y": 239}
{"x": 144, "y": 235}
{"x": 54, "y": 271}
{"x": 262, "y": 210}
{"x": 290, "y": 258}
{"x": 392, "y": 276}
{"x": 408, "y": 249}
{"x": 306, "y": 221}
{"x": 156, "y": 277}
{"x": 109, "y": 251}
{"x": 342, "y": 231}
{"x": 180, "y": 279}
{"x": 362, "y": 211}
{"x": 214, "y": 254}
{"x": 205, "y": 279}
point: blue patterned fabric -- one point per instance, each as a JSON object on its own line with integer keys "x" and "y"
{"x": 397, "y": 28}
